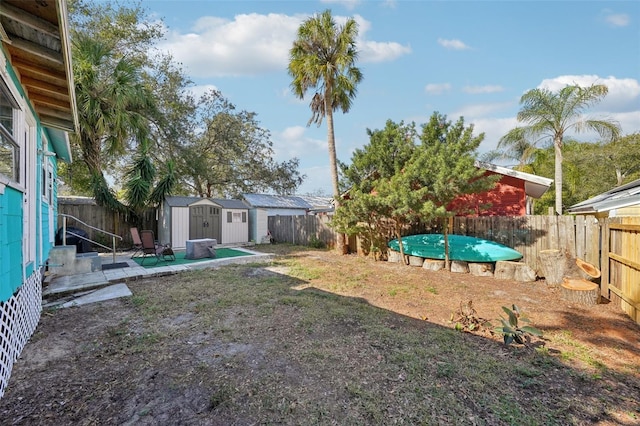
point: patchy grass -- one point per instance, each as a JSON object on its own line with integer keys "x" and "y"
{"x": 312, "y": 338}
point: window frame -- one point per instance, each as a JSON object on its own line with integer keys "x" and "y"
{"x": 9, "y": 136}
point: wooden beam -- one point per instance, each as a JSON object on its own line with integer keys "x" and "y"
{"x": 60, "y": 92}
{"x": 57, "y": 123}
{"x": 29, "y": 20}
{"x": 3, "y": 34}
{"x": 39, "y": 99}
{"x": 42, "y": 109}
{"x": 54, "y": 76}
{"x": 19, "y": 45}
{"x": 624, "y": 261}
{"x": 624, "y": 227}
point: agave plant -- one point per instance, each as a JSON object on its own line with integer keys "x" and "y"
{"x": 511, "y": 329}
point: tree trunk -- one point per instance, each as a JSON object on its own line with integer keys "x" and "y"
{"x": 558, "y": 172}
{"x": 433, "y": 264}
{"x": 445, "y": 229}
{"x": 481, "y": 269}
{"x": 516, "y": 271}
{"x": 580, "y": 291}
{"x": 398, "y": 229}
{"x": 589, "y": 270}
{"x": 333, "y": 163}
{"x": 554, "y": 266}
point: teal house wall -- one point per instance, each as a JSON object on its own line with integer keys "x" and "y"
{"x": 35, "y": 57}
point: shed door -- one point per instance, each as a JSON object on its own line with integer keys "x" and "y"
{"x": 204, "y": 222}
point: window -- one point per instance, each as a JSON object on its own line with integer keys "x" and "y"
{"x": 47, "y": 182}
{"x": 236, "y": 217}
{"x": 9, "y": 149}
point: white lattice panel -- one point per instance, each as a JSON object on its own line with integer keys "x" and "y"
{"x": 19, "y": 317}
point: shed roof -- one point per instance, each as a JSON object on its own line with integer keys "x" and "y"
{"x": 277, "y": 201}
{"x": 616, "y": 198}
{"x": 534, "y": 185}
{"x": 183, "y": 201}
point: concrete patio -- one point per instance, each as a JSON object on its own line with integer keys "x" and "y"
{"x": 80, "y": 289}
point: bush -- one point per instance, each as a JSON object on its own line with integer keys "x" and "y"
{"x": 315, "y": 242}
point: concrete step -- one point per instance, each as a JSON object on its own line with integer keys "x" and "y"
{"x": 63, "y": 260}
{"x": 66, "y": 284}
{"x": 109, "y": 292}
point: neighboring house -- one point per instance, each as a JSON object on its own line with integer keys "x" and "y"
{"x": 261, "y": 206}
{"x": 621, "y": 201}
{"x": 37, "y": 109}
{"x": 510, "y": 195}
{"x": 188, "y": 218}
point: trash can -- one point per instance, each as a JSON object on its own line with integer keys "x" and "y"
{"x": 82, "y": 246}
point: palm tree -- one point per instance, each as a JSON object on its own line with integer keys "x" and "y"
{"x": 322, "y": 59}
{"x": 114, "y": 108}
{"x": 550, "y": 115}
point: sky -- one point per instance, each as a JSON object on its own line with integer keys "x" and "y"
{"x": 471, "y": 59}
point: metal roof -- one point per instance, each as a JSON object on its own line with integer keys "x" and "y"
{"x": 622, "y": 196}
{"x": 534, "y": 185}
{"x": 182, "y": 201}
{"x": 277, "y": 201}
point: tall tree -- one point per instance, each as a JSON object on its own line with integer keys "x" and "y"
{"x": 322, "y": 60}
{"x": 114, "y": 107}
{"x": 232, "y": 154}
{"x": 546, "y": 114}
{"x": 371, "y": 207}
{"x": 443, "y": 170}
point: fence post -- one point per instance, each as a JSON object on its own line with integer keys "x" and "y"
{"x": 604, "y": 253}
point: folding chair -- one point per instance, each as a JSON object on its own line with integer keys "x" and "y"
{"x": 137, "y": 242}
{"x": 150, "y": 248}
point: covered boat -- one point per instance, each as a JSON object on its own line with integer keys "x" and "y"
{"x": 461, "y": 247}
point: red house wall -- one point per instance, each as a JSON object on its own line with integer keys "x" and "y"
{"x": 507, "y": 198}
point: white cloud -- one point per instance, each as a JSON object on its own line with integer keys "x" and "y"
{"x": 375, "y": 51}
{"x": 294, "y": 142}
{"x": 437, "y": 88}
{"x": 452, "y": 44}
{"x": 390, "y": 4}
{"x": 253, "y": 44}
{"x": 318, "y": 180}
{"x": 248, "y": 45}
{"x": 617, "y": 19}
{"x": 198, "y": 91}
{"x": 493, "y": 129}
{"x": 473, "y": 111}
{"x": 623, "y": 96}
{"x": 475, "y": 90}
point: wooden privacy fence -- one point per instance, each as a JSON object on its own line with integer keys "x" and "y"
{"x": 89, "y": 212}
{"x": 579, "y": 235}
{"x": 611, "y": 244}
{"x": 621, "y": 264}
{"x": 301, "y": 229}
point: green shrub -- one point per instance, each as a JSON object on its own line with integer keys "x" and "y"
{"x": 315, "y": 242}
{"x": 511, "y": 329}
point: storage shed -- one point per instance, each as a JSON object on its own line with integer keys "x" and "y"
{"x": 188, "y": 218}
{"x": 623, "y": 200}
{"x": 510, "y": 195}
{"x": 261, "y": 206}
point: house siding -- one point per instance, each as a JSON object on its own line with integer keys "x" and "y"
{"x": 10, "y": 242}
{"x": 20, "y": 278}
{"x": 507, "y": 198}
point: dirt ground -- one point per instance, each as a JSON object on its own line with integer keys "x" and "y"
{"x": 79, "y": 361}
